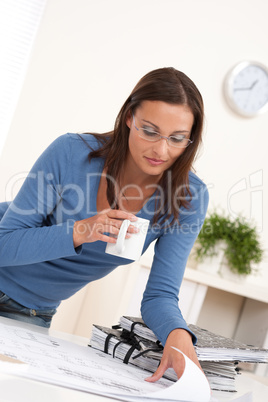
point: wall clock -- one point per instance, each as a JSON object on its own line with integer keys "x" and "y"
{"x": 246, "y": 88}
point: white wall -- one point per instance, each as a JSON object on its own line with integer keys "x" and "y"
{"x": 88, "y": 56}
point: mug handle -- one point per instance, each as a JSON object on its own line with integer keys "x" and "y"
{"x": 120, "y": 246}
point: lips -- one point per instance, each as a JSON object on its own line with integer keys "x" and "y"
{"x": 154, "y": 162}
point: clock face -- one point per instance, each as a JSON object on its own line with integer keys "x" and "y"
{"x": 246, "y": 89}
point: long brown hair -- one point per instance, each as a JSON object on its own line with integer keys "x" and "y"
{"x": 166, "y": 85}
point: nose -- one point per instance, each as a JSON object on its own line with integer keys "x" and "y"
{"x": 160, "y": 147}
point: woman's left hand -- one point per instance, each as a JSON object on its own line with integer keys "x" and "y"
{"x": 182, "y": 340}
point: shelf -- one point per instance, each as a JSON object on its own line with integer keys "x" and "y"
{"x": 243, "y": 288}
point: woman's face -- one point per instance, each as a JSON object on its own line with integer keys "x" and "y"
{"x": 153, "y": 158}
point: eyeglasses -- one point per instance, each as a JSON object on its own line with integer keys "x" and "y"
{"x": 149, "y": 134}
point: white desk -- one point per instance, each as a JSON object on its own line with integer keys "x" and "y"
{"x": 14, "y": 389}
{"x": 24, "y": 390}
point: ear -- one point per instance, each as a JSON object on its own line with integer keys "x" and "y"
{"x": 129, "y": 119}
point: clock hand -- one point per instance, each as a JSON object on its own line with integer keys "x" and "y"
{"x": 253, "y": 84}
{"x": 242, "y": 89}
{"x": 247, "y": 88}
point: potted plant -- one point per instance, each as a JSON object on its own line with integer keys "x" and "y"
{"x": 241, "y": 244}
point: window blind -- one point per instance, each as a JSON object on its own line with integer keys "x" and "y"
{"x": 19, "y": 22}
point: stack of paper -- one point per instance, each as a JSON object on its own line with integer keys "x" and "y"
{"x": 221, "y": 376}
{"x": 149, "y": 362}
{"x": 218, "y": 355}
{"x": 137, "y": 325}
{"x": 217, "y": 348}
{"x": 209, "y": 347}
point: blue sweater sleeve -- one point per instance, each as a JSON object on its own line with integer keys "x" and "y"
{"x": 26, "y": 236}
{"x": 159, "y": 308}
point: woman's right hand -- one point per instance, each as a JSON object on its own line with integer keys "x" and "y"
{"x": 108, "y": 221}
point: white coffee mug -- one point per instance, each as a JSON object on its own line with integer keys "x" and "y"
{"x": 132, "y": 247}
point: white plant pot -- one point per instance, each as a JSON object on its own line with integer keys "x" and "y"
{"x": 217, "y": 265}
{"x": 212, "y": 265}
{"x": 226, "y": 273}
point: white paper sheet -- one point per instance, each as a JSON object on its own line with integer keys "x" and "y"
{"x": 63, "y": 363}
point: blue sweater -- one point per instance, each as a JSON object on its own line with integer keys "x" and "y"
{"x": 39, "y": 266}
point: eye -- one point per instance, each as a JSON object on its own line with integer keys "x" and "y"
{"x": 178, "y": 139}
{"x": 149, "y": 131}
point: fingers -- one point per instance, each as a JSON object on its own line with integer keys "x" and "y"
{"x": 158, "y": 374}
{"x": 178, "y": 339}
{"x": 178, "y": 367}
{"x": 118, "y": 214}
{"x": 107, "y": 239}
{"x": 97, "y": 227}
{"x": 113, "y": 220}
{"x": 115, "y": 225}
{"x": 132, "y": 229}
{"x": 113, "y": 229}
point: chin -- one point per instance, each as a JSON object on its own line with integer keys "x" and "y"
{"x": 154, "y": 171}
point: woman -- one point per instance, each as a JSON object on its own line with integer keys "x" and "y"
{"x": 53, "y": 235}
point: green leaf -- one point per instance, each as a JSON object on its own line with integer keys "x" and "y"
{"x": 242, "y": 244}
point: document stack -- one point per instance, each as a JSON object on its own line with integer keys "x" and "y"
{"x": 134, "y": 343}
